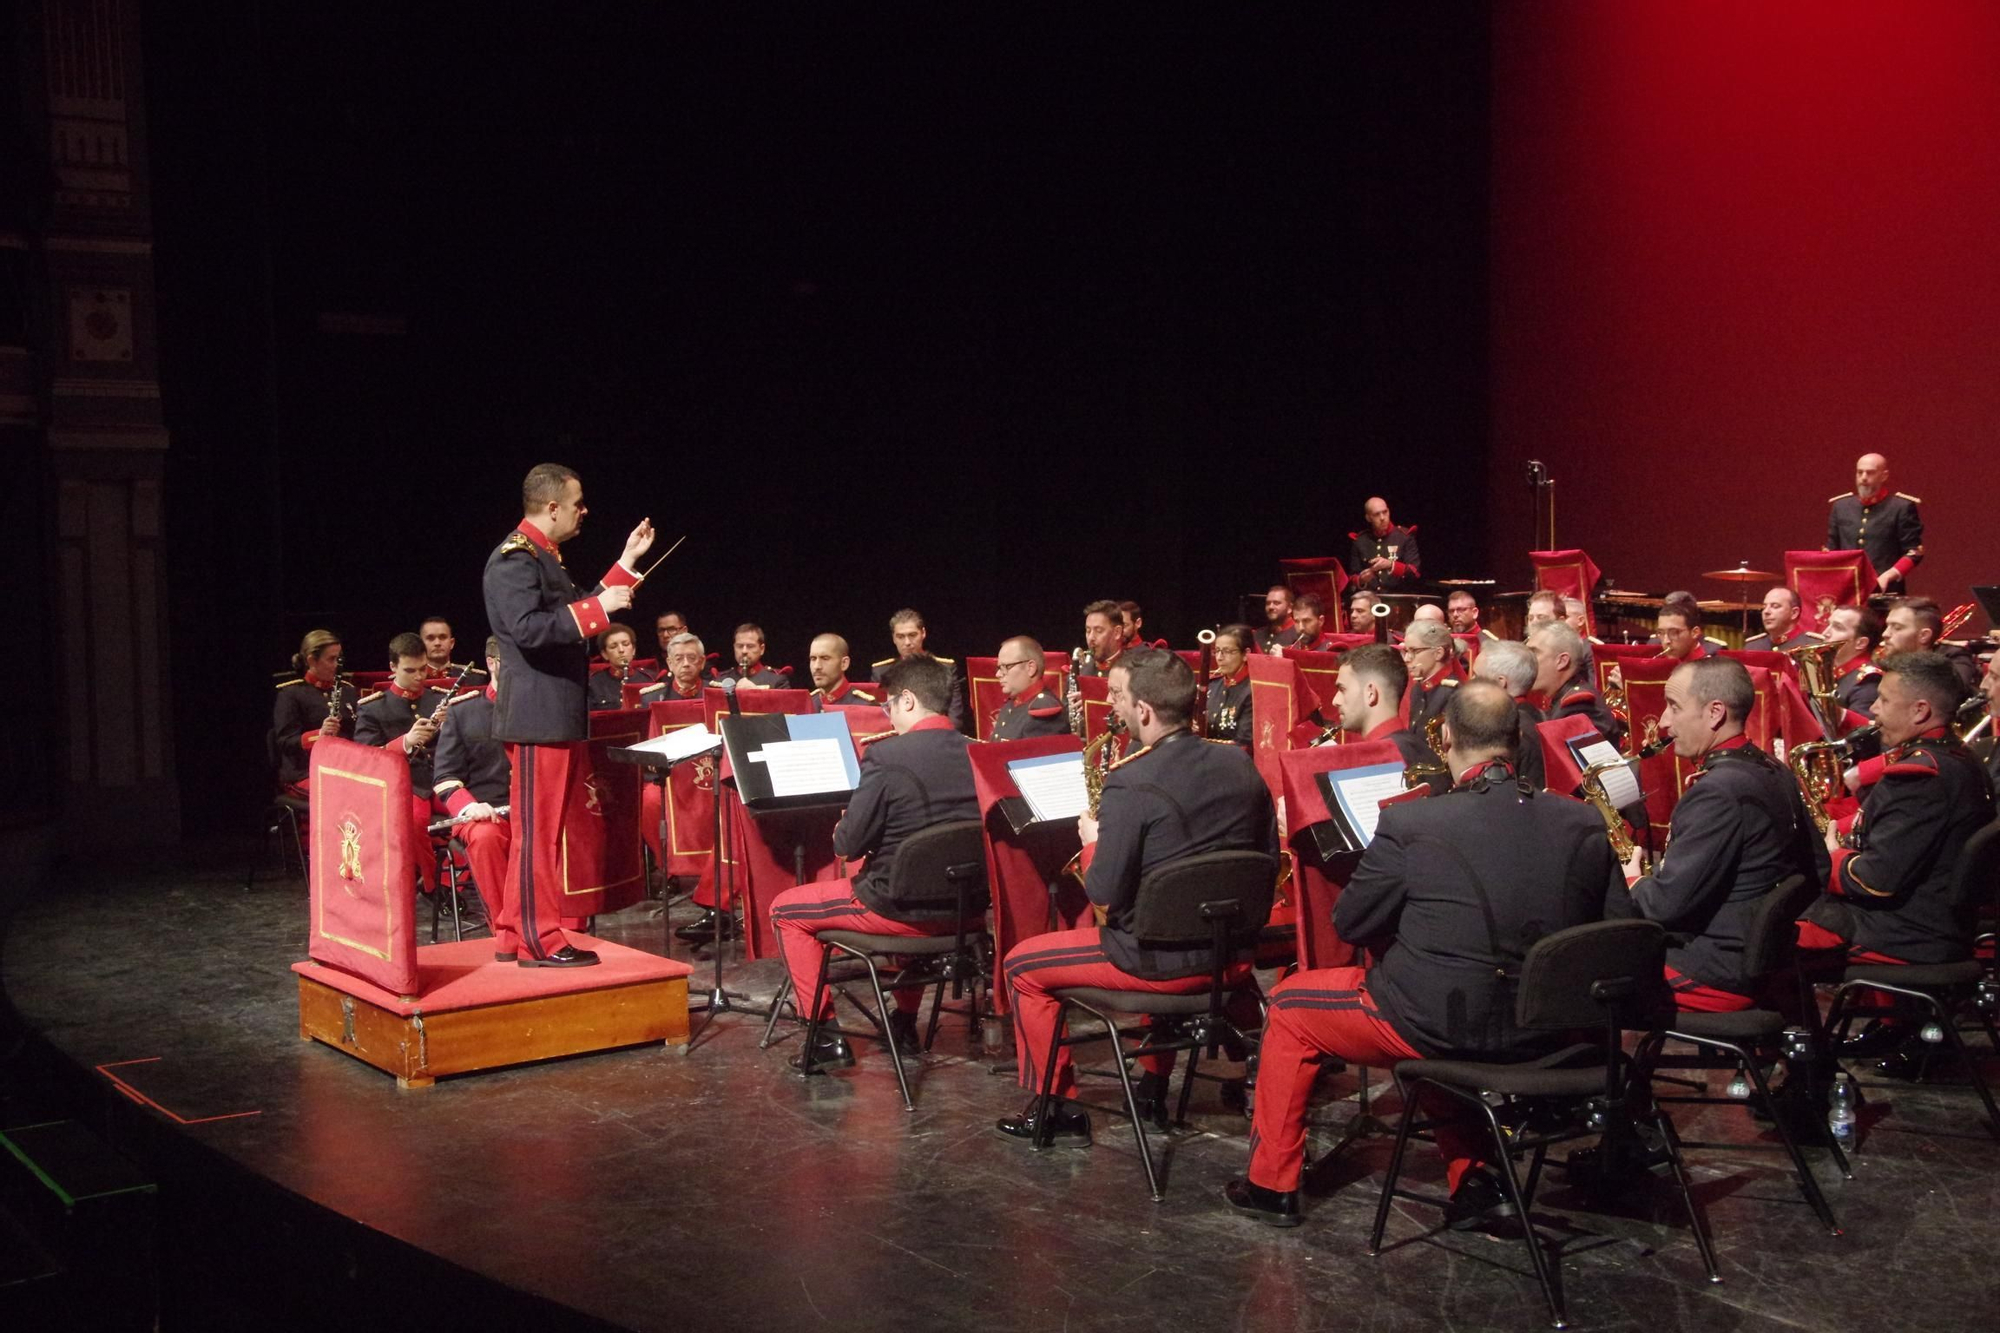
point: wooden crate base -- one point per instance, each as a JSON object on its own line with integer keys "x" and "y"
{"x": 418, "y": 1048}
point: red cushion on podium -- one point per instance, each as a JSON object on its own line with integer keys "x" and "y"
{"x": 1828, "y": 579}
{"x": 362, "y": 894}
{"x": 1570, "y": 573}
{"x": 463, "y": 975}
{"x": 1318, "y": 891}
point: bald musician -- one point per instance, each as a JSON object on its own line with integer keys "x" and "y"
{"x": 827, "y": 662}
{"x": 1383, "y": 556}
{"x": 1029, "y": 710}
{"x": 1782, "y": 633}
{"x": 1882, "y": 523}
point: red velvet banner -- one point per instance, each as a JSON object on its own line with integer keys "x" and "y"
{"x": 1666, "y": 774}
{"x": 1325, "y": 578}
{"x": 602, "y": 868}
{"x": 1020, "y": 868}
{"x": 1572, "y": 574}
{"x": 1827, "y": 579}
{"x": 361, "y": 893}
{"x": 1316, "y": 887}
{"x": 983, "y": 693}
{"x": 1318, "y": 671}
{"x": 1280, "y": 702}
{"x": 690, "y": 788}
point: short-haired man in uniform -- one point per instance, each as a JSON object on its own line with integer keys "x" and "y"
{"x": 545, "y": 624}
{"x": 472, "y": 778}
{"x": 1858, "y": 631}
{"x": 1450, "y": 896}
{"x": 1989, "y": 688}
{"x": 1174, "y": 797}
{"x": 1430, "y": 657}
{"x": 1230, "y": 707}
{"x": 1368, "y": 691}
{"x": 1029, "y": 709}
{"x": 1281, "y": 626}
{"x": 1564, "y": 679}
{"x": 1132, "y": 619}
{"x": 1511, "y": 666}
{"x": 827, "y": 662}
{"x": 1873, "y": 519}
{"x": 909, "y": 632}
{"x": 1360, "y": 608}
{"x": 436, "y": 633}
{"x": 1892, "y": 895}
{"x": 1576, "y": 615}
{"x": 1544, "y": 608}
{"x": 748, "y": 649}
{"x": 618, "y": 646}
{"x": 1383, "y": 556}
{"x": 1780, "y": 614}
{"x": 919, "y": 778}
{"x": 1103, "y": 637}
{"x": 1740, "y": 829}
{"x": 398, "y": 717}
{"x": 686, "y": 662}
{"x": 1916, "y": 625}
{"x": 1309, "y": 618}
{"x": 1680, "y": 635}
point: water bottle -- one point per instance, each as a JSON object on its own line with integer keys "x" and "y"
{"x": 1840, "y": 1119}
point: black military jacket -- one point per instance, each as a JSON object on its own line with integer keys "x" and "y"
{"x": 471, "y": 764}
{"x": 1761, "y": 643}
{"x": 957, "y": 709}
{"x": 1364, "y": 546}
{"x": 1040, "y": 715}
{"x": 908, "y": 783}
{"x": 1230, "y": 716}
{"x": 1739, "y": 829}
{"x": 1889, "y": 530}
{"x": 606, "y": 691}
{"x": 388, "y": 716}
{"x": 1893, "y": 888}
{"x": 1178, "y": 796}
{"x": 1528, "y": 761}
{"x": 1452, "y": 893}
{"x": 544, "y": 625}
{"x": 1576, "y": 698}
{"x": 299, "y": 709}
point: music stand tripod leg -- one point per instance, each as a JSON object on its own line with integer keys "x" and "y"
{"x": 719, "y": 998}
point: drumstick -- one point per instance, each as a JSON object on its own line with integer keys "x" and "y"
{"x": 662, "y": 560}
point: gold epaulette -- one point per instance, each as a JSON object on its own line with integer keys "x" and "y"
{"x": 863, "y": 694}
{"x": 884, "y": 662}
{"x": 1134, "y": 755}
{"x": 287, "y": 684}
{"x": 368, "y": 698}
{"x": 1836, "y": 499}
{"x": 1449, "y": 680}
{"x": 1911, "y": 498}
{"x": 948, "y": 661}
{"x": 516, "y": 541}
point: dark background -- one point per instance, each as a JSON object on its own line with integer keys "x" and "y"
{"x": 986, "y": 316}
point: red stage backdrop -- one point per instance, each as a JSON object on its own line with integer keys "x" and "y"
{"x": 1735, "y": 246}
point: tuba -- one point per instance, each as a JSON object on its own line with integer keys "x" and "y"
{"x": 1816, "y": 765}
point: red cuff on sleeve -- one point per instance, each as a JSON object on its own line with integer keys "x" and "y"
{"x": 1869, "y": 772}
{"x": 456, "y": 800}
{"x": 1904, "y": 566}
{"x": 619, "y": 577}
{"x": 591, "y": 619}
{"x": 1403, "y": 571}
{"x": 1841, "y": 856}
{"x": 306, "y": 739}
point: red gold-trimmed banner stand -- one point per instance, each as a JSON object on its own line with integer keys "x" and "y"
{"x": 1569, "y": 573}
{"x": 688, "y": 811}
{"x": 1024, "y": 870}
{"x": 1317, "y": 882}
{"x": 1828, "y": 579}
{"x": 366, "y": 988}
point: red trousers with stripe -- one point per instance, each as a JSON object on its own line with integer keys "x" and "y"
{"x": 1059, "y": 960}
{"x": 486, "y": 846}
{"x": 529, "y": 915}
{"x": 801, "y": 913}
{"x": 1328, "y": 1013}
{"x": 1691, "y": 997}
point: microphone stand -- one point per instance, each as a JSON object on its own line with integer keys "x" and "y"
{"x": 719, "y": 997}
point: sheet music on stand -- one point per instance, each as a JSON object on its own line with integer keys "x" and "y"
{"x": 1354, "y": 798}
{"x": 1621, "y": 783}
{"x": 782, "y": 760}
{"x": 1052, "y": 786}
{"x": 680, "y": 743}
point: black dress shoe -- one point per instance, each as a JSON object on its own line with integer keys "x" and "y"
{"x": 1151, "y": 1092}
{"x": 1906, "y": 1063}
{"x": 831, "y": 1051}
{"x": 706, "y": 929}
{"x": 1274, "y": 1208}
{"x": 1480, "y": 1203}
{"x": 1066, "y": 1124}
{"x": 903, "y": 1031}
{"x": 1880, "y": 1039}
{"x": 567, "y": 956}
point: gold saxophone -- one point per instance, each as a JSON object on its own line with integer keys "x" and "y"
{"x": 1816, "y": 765}
{"x": 1415, "y": 775}
{"x": 1096, "y": 764}
{"x": 1622, "y": 845}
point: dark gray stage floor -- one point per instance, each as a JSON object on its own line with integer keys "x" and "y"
{"x": 717, "y": 1190}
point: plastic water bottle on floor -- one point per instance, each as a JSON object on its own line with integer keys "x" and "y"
{"x": 1840, "y": 1117}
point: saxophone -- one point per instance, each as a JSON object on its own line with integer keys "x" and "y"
{"x": 1817, "y": 765}
{"x": 1416, "y": 774}
{"x": 1096, "y": 764}
{"x": 1622, "y": 845}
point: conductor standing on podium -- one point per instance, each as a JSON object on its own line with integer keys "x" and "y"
{"x": 545, "y": 625}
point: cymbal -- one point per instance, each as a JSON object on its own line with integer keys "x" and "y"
{"x": 1741, "y": 574}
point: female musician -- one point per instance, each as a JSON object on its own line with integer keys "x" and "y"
{"x": 313, "y": 705}
{"x": 1228, "y": 704}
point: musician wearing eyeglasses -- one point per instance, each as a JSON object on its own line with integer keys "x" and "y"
{"x": 1740, "y": 828}
{"x": 1430, "y": 658}
{"x": 1227, "y": 710}
{"x": 1448, "y": 896}
{"x": 1029, "y": 710}
{"x": 1679, "y": 635}
{"x": 1383, "y": 556}
{"x": 1881, "y": 522}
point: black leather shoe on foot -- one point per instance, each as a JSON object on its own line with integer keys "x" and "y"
{"x": 1480, "y": 1203}
{"x": 1274, "y": 1208}
{"x": 831, "y": 1051}
{"x": 1152, "y": 1093}
{"x": 567, "y": 956}
{"x": 1880, "y": 1039}
{"x": 1906, "y": 1063}
{"x": 1066, "y": 1125}
{"x": 706, "y": 929}
{"x": 903, "y": 1031}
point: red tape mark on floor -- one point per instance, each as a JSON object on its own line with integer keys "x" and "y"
{"x": 143, "y": 1100}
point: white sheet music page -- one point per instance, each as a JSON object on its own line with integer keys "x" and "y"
{"x": 681, "y": 742}
{"x": 1361, "y": 792}
{"x": 802, "y": 768}
{"x": 1052, "y": 787}
{"x": 1619, "y": 784}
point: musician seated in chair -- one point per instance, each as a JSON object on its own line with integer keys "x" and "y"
{"x": 919, "y": 778}
{"x": 1511, "y": 666}
{"x": 1309, "y": 619}
{"x": 1280, "y": 625}
{"x": 1030, "y": 709}
{"x": 1564, "y": 677}
{"x": 1892, "y": 895}
{"x": 1430, "y": 655}
{"x": 1368, "y": 692}
{"x": 1915, "y": 625}
{"x": 473, "y": 778}
{"x": 750, "y": 671}
{"x": 618, "y": 646}
{"x": 310, "y": 706}
{"x": 1450, "y": 895}
{"x": 1781, "y": 624}
{"x": 1230, "y": 706}
{"x": 1176, "y": 796}
{"x": 1740, "y": 827}
{"x": 398, "y": 717}
{"x": 1544, "y": 608}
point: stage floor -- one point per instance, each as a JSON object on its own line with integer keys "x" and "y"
{"x": 718, "y": 1190}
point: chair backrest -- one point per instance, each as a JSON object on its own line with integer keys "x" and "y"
{"x": 1178, "y": 902}
{"x": 930, "y": 865}
{"x": 1976, "y": 879}
{"x": 1588, "y": 975}
{"x": 1771, "y": 931}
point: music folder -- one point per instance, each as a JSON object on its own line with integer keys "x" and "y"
{"x": 1354, "y": 799}
{"x": 788, "y": 761}
{"x": 1052, "y": 792}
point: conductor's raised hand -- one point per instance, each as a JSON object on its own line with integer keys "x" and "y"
{"x": 640, "y": 542}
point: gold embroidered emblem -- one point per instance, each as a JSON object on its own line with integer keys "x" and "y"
{"x": 592, "y": 802}
{"x": 350, "y": 854}
{"x": 1650, "y": 734}
{"x": 1264, "y": 735}
{"x": 704, "y": 774}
